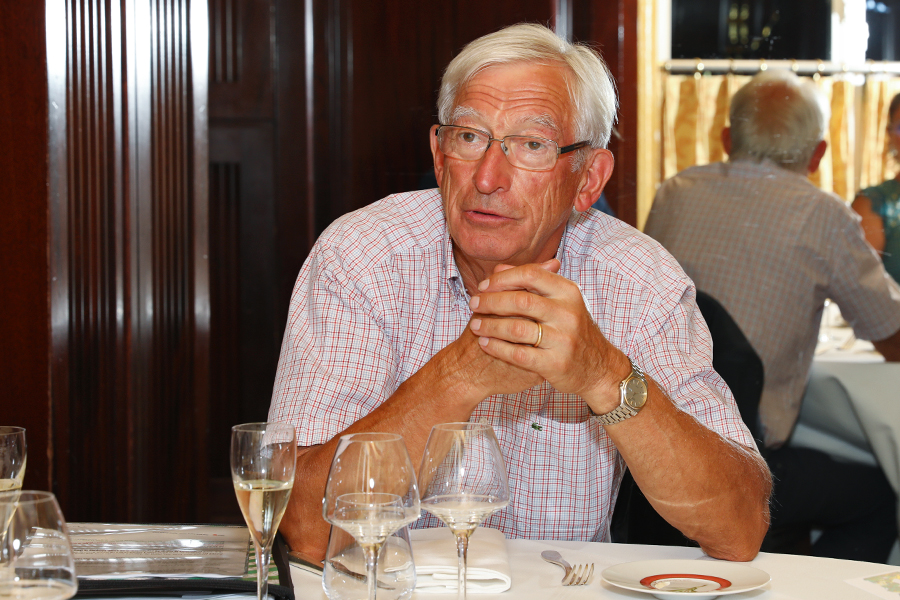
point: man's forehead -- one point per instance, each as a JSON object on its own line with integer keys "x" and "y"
{"x": 544, "y": 119}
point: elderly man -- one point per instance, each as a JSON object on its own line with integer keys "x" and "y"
{"x": 771, "y": 247}
{"x": 491, "y": 299}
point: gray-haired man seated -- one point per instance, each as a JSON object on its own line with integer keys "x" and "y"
{"x": 502, "y": 297}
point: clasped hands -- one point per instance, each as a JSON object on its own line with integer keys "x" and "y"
{"x": 535, "y": 321}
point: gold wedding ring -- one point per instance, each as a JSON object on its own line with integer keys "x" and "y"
{"x": 540, "y": 335}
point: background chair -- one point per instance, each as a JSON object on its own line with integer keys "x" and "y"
{"x": 635, "y": 521}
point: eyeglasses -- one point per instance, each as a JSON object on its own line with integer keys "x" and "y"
{"x": 522, "y": 151}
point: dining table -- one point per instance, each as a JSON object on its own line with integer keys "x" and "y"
{"x": 851, "y": 407}
{"x": 791, "y": 577}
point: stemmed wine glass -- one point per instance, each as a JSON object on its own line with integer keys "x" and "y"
{"x": 12, "y": 457}
{"x": 12, "y": 472}
{"x": 371, "y": 493}
{"x": 463, "y": 479}
{"x": 40, "y": 564}
{"x": 263, "y": 459}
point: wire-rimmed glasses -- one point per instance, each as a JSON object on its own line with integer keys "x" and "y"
{"x": 527, "y": 152}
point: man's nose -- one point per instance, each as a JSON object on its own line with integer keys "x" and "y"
{"x": 494, "y": 172}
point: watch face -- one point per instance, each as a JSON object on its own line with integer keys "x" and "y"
{"x": 635, "y": 392}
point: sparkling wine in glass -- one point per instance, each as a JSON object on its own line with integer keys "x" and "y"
{"x": 463, "y": 480}
{"x": 263, "y": 459}
{"x": 39, "y": 564}
{"x": 371, "y": 493}
{"x": 12, "y": 457}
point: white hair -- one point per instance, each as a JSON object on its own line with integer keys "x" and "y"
{"x": 778, "y": 116}
{"x": 590, "y": 84}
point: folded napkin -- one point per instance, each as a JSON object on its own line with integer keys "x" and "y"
{"x": 487, "y": 565}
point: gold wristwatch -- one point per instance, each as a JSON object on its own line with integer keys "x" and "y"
{"x": 632, "y": 397}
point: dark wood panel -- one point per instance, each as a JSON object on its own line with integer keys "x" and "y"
{"x": 241, "y": 58}
{"x": 612, "y": 28}
{"x": 24, "y": 229}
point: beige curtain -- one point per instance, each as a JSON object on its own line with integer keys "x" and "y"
{"x": 695, "y": 109}
{"x": 877, "y": 160}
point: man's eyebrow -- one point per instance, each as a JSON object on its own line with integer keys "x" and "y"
{"x": 545, "y": 120}
{"x": 463, "y": 111}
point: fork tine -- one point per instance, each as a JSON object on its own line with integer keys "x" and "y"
{"x": 570, "y": 576}
{"x": 589, "y": 574}
{"x": 579, "y": 570}
{"x": 584, "y": 575}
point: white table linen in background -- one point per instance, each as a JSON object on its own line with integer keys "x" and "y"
{"x": 793, "y": 577}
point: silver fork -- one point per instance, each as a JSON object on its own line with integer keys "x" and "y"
{"x": 577, "y": 575}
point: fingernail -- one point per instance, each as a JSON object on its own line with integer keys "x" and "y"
{"x": 476, "y": 324}
{"x": 473, "y": 303}
{"x": 483, "y": 341}
{"x": 483, "y": 285}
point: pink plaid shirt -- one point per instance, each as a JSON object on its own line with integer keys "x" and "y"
{"x": 380, "y": 295}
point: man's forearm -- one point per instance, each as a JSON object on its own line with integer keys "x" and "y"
{"x": 440, "y": 392}
{"x": 714, "y": 490}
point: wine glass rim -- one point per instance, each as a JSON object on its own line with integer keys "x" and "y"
{"x": 372, "y": 436}
{"x": 462, "y": 426}
{"x": 261, "y": 426}
{"x": 11, "y": 429}
{"x": 26, "y": 496}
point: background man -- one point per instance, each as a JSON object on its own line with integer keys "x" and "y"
{"x": 771, "y": 247}
{"x": 491, "y": 299}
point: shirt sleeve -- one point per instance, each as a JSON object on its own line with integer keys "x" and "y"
{"x": 677, "y": 348}
{"x": 336, "y": 363}
{"x": 868, "y": 297}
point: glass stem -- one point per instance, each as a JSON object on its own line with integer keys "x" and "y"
{"x": 370, "y": 551}
{"x": 262, "y": 571}
{"x": 462, "y": 547}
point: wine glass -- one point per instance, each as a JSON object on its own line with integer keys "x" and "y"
{"x": 263, "y": 459}
{"x": 463, "y": 479}
{"x": 371, "y": 493}
{"x": 40, "y": 564}
{"x": 12, "y": 457}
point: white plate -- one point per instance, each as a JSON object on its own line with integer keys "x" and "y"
{"x": 677, "y": 579}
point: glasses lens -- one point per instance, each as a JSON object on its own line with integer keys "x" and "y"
{"x": 536, "y": 154}
{"x": 462, "y": 142}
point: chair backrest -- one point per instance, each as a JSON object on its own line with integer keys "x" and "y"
{"x": 734, "y": 359}
{"x": 634, "y": 519}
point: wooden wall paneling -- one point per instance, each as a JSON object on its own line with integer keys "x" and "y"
{"x": 613, "y": 28}
{"x": 24, "y": 231}
{"x": 86, "y": 241}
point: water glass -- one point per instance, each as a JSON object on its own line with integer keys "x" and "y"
{"x": 344, "y": 577}
{"x": 40, "y": 564}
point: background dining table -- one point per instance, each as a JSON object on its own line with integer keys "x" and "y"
{"x": 792, "y": 577}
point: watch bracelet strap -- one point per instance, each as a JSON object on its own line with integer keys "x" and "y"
{"x": 623, "y": 411}
{"x": 618, "y": 414}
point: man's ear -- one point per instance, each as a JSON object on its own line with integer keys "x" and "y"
{"x": 599, "y": 169}
{"x": 436, "y": 154}
{"x": 816, "y": 157}
{"x": 726, "y": 140}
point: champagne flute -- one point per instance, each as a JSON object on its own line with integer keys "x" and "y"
{"x": 12, "y": 457}
{"x": 263, "y": 459}
{"x": 463, "y": 480}
{"x": 12, "y": 472}
{"x": 371, "y": 493}
{"x": 41, "y": 565}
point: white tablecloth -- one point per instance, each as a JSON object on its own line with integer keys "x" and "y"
{"x": 851, "y": 408}
{"x": 793, "y": 577}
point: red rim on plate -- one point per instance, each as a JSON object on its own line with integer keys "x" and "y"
{"x": 650, "y": 580}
